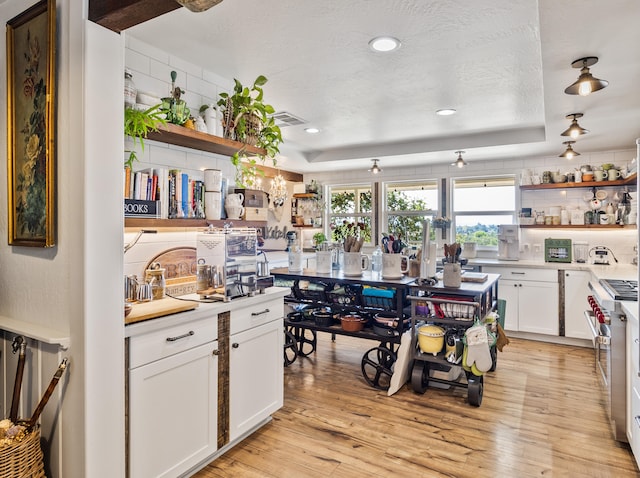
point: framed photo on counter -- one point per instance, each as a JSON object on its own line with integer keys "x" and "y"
{"x": 31, "y": 126}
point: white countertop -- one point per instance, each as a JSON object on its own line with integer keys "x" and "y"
{"x": 204, "y": 310}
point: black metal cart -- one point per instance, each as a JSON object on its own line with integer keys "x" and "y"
{"x": 366, "y": 295}
{"x": 453, "y": 309}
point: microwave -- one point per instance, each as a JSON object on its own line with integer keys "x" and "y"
{"x": 557, "y": 250}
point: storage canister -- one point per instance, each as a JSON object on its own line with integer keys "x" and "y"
{"x": 431, "y": 339}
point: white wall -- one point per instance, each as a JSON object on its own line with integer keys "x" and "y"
{"x": 76, "y": 286}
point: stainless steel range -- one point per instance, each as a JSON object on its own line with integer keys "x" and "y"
{"x": 621, "y": 289}
{"x": 608, "y": 326}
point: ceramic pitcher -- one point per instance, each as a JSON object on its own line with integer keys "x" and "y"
{"x": 235, "y": 199}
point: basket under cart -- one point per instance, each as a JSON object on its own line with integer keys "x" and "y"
{"x": 452, "y": 311}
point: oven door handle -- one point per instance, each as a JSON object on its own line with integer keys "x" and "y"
{"x": 598, "y": 336}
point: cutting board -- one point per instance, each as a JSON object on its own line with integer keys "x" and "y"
{"x": 158, "y": 308}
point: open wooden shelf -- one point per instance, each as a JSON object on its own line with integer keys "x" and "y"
{"x": 578, "y": 226}
{"x": 190, "y": 138}
{"x": 143, "y": 222}
{"x": 629, "y": 181}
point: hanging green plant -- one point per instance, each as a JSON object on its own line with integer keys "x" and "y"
{"x": 137, "y": 124}
{"x": 247, "y": 118}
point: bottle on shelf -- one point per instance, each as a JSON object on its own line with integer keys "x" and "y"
{"x": 130, "y": 91}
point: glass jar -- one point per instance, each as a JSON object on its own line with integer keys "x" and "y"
{"x": 154, "y": 276}
{"x": 130, "y": 91}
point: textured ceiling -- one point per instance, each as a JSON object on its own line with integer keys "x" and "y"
{"x": 502, "y": 65}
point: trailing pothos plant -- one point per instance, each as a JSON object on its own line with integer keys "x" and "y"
{"x": 239, "y": 111}
{"x": 137, "y": 124}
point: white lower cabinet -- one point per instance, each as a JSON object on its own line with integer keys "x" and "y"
{"x": 532, "y": 299}
{"x": 193, "y": 393}
{"x": 576, "y": 290}
{"x": 255, "y": 376}
{"x": 173, "y": 413}
{"x": 633, "y": 388}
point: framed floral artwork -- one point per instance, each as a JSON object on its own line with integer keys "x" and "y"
{"x": 31, "y": 127}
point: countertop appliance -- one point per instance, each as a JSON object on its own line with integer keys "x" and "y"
{"x": 557, "y": 250}
{"x": 600, "y": 255}
{"x": 508, "y": 242}
{"x": 231, "y": 254}
{"x": 608, "y": 327}
{"x": 580, "y": 251}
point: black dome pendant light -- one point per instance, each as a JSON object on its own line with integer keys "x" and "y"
{"x": 459, "y": 162}
{"x": 574, "y": 130}
{"x": 586, "y": 83}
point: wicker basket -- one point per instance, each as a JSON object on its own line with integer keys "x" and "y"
{"x": 23, "y": 459}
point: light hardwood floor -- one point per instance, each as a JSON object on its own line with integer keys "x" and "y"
{"x": 542, "y": 415}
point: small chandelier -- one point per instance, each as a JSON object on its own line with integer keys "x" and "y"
{"x": 459, "y": 162}
{"x": 574, "y": 130}
{"x": 586, "y": 83}
{"x": 375, "y": 169}
{"x": 198, "y": 5}
{"x": 278, "y": 191}
{"x": 569, "y": 153}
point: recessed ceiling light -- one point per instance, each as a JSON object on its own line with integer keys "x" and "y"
{"x": 446, "y": 112}
{"x": 384, "y": 44}
{"x": 312, "y": 130}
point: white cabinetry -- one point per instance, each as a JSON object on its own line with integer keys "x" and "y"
{"x": 576, "y": 290}
{"x": 172, "y": 399}
{"x": 256, "y": 366}
{"x": 633, "y": 387}
{"x": 532, "y": 299}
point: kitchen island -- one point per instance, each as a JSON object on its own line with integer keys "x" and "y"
{"x": 383, "y": 305}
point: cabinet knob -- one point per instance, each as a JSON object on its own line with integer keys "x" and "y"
{"x": 235, "y": 345}
{"x": 215, "y": 352}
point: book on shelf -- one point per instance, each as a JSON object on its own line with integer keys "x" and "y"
{"x": 174, "y": 194}
{"x": 186, "y": 196}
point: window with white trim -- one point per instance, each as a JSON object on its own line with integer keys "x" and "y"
{"x": 480, "y": 205}
{"x": 350, "y": 211}
{"x": 407, "y": 204}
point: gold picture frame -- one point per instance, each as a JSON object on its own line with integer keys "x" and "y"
{"x": 31, "y": 125}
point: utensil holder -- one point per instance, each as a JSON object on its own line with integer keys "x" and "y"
{"x": 452, "y": 274}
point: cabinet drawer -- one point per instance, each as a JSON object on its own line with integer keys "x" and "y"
{"x": 256, "y": 315}
{"x": 521, "y": 273}
{"x": 156, "y": 345}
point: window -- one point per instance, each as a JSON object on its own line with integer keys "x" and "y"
{"x": 351, "y": 211}
{"x": 407, "y": 205}
{"x": 479, "y": 205}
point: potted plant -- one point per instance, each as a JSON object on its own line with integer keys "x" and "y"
{"x": 246, "y": 118}
{"x": 319, "y": 238}
{"x": 137, "y": 124}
